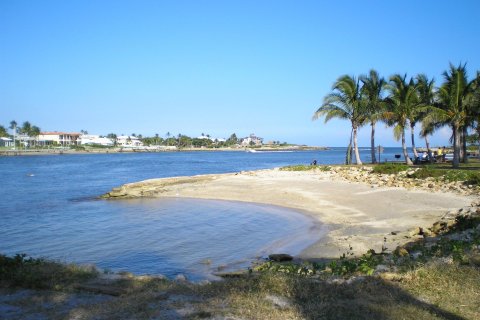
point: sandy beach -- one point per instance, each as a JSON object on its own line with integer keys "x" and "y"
{"x": 356, "y": 215}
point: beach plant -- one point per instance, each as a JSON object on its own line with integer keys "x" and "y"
{"x": 389, "y": 168}
{"x": 344, "y": 102}
{"x": 298, "y": 167}
{"x": 38, "y": 273}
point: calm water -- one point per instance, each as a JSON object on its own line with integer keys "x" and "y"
{"x": 48, "y": 208}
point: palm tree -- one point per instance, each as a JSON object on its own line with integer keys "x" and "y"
{"x": 26, "y": 128}
{"x": 3, "y": 131}
{"x": 474, "y": 103}
{"x": 35, "y": 132}
{"x": 451, "y": 107}
{"x": 401, "y": 102}
{"x": 345, "y": 103}
{"x": 372, "y": 91}
{"x": 426, "y": 95}
{"x": 13, "y": 126}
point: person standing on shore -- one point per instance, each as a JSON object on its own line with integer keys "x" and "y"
{"x": 439, "y": 155}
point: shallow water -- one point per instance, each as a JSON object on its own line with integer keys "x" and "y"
{"x": 49, "y": 208}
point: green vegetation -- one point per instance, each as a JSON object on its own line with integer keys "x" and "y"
{"x": 303, "y": 167}
{"x": 468, "y": 176}
{"x": 27, "y": 272}
{"x": 405, "y": 102}
{"x": 389, "y": 168}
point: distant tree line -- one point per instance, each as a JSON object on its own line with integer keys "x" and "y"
{"x": 26, "y": 129}
{"x": 404, "y": 103}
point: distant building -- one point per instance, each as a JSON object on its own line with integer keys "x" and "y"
{"x": 252, "y": 139}
{"x": 129, "y": 141}
{"x": 58, "y": 138}
{"x": 93, "y": 139}
{"x": 6, "y": 142}
{"x": 25, "y": 140}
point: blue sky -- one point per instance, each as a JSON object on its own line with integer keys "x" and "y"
{"x": 217, "y": 67}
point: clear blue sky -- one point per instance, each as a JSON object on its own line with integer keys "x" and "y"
{"x": 217, "y": 67}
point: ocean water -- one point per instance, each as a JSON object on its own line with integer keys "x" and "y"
{"x": 49, "y": 208}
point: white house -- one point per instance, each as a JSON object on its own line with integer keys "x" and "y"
{"x": 6, "y": 142}
{"x": 60, "y": 138}
{"x": 95, "y": 139}
{"x": 257, "y": 141}
{"x": 129, "y": 141}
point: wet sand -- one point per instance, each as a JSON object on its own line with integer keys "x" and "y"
{"x": 355, "y": 215}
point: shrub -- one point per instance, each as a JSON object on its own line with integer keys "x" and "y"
{"x": 28, "y": 272}
{"x": 390, "y": 168}
{"x": 426, "y": 172}
{"x": 298, "y": 167}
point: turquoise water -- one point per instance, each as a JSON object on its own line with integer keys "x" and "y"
{"x": 49, "y": 209}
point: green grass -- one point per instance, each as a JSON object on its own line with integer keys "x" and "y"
{"x": 390, "y": 168}
{"x": 303, "y": 167}
{"x": 468, "y": 176}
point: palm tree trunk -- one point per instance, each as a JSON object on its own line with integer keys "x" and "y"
{"x": 404, "y": 148}
{"x": 355, "y": 147}
{"x": 464, "y": 145}
{"x": 348, "y": 156}
{"x": 372, "y": 143}
{"x": 412, "y": 129}
{"x": 478, "y": 132}
{"x": 456, "y": 146}
{"x": 427, "y": 143}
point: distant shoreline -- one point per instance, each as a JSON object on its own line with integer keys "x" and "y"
{"x": 37, "y": 152}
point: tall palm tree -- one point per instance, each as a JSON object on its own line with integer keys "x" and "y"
{"x": 426, "y": 95}
{"x": 26, "y": 128}
{"x": 372, "y": 93}
{"x": 13, "y": 126}
{"x": 35, "y": 132}
{"x": 344, "y": 102}
{"x": 451, "y": 107}
{"x": 401, "y": 102}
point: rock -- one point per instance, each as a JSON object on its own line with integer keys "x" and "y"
{"x": 415, "y": 255}
{"x": 279, "y": 257}
{"x": 180, "y": 278}
{"x": 400, "y": 251}
{"x": 475, "y": 259}
{"x": 417, "y": 231}
{"x": 439, "y": 226}
{"x": 382, "y": 268}
{"x": 279, "y": 302}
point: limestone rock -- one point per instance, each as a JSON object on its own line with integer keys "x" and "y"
{"x": 400, "y": 251}
{"x": 417, "y": 231}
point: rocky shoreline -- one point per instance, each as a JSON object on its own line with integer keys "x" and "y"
{"x": 404, "y": 179}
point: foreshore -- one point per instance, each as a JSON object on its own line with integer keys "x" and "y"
{"x": 358, "y": 214}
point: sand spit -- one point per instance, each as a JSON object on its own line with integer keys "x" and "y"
{"x": 357, "y": 212}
